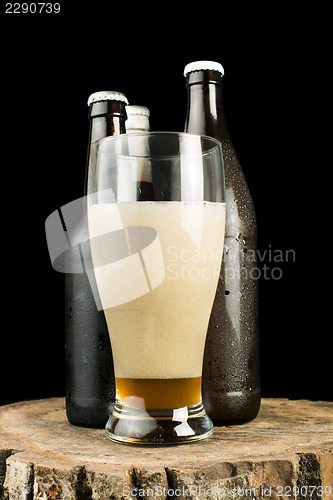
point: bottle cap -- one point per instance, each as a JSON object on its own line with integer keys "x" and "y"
{"x": 137, "y": 110}
{"x": 107, "y": 95}
{"x": 137, "y": 118}
{"x": 203, "y": 65}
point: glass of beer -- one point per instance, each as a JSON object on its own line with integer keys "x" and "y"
{"x": 156, "y": 216}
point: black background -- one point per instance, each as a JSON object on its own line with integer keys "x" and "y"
{"x": 52, "y": 63}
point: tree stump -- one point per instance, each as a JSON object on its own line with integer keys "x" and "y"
{"x": 286, "y": 452}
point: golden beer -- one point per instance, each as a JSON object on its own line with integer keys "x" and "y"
{"x": 159, "y": 394}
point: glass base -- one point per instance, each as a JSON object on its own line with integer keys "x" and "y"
{"x": 155, "y": 427}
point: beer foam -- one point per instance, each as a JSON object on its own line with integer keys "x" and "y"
{"x": 161, "y": 334}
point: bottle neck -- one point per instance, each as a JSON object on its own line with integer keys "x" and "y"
{"x": 104, "y": 126}
{"x": 205, "y": 113}
{"x": 106, "y": 118}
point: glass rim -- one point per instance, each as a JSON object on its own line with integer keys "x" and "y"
{"x": 119, "y": 137}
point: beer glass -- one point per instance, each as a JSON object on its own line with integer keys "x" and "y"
{"x": 156, "y": 216}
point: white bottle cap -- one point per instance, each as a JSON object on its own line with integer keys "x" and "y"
{"x": 137, "y": 118}
{"x": 107, "y": 95}
{"x": 203, "y": 65}
{"x": 137, "y": 110}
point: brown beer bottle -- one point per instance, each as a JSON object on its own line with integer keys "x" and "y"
{"x": 90, "y": 383}
{"x": 230, "y": 384}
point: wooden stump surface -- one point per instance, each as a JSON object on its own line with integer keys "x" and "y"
{"x": 286, "y": 452}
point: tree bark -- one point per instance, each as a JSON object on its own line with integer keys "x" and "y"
{"x": 286, "y": 452}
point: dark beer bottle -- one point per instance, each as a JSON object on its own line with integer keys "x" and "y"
{"x": 90, "y": 383}
{"x": 230, "y": 384}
